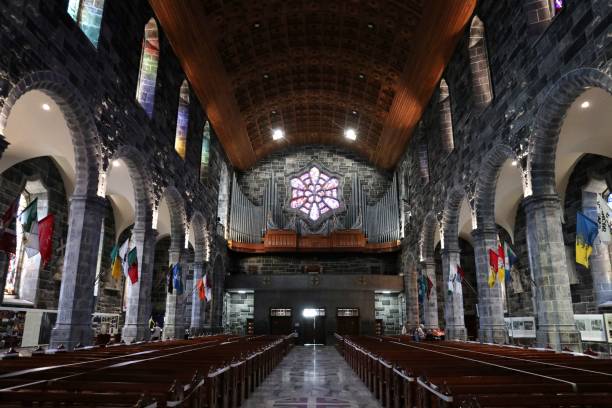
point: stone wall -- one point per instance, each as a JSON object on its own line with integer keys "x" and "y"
{"x": 239, "y": 308}
{"x": 387, "y": 308}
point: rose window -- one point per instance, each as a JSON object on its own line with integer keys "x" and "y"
{"x": 314, "y": 193}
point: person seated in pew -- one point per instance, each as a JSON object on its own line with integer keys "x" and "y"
{"x": 419, "y": 333}
{"x": 155, "y": 332}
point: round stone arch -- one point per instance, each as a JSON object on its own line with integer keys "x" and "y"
{"x": 176, "y": 206}
{"x": 427, "y": 240}
{"x": 139, "y": 174}
{"x": 549, "y": 121}
{"x": 79, "y": 120}
{"x": 486, "y": 185}
{"x": 450, "y": 218}
{"x": 200, "y": 237}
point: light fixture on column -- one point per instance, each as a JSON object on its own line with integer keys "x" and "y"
{"x": 46, "y": 107}
{"x": 585, "y": 105}
{"x": 514, "y": 163}
{"x": 350, "y": 134}
{"x": 116, "y": 163}
{"x": 278, "y": 134}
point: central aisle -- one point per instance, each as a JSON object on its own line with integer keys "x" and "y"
{"x": 312, "y": 377}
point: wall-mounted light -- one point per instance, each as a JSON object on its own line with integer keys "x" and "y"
{"x": 585, "y": 105}
{"x": 116, "y": 163}
{"x": 350, "y": 134}
{"x": 514, "y": 163}
{"x": 278, "y": 134}
{"x": 46, "y": 107}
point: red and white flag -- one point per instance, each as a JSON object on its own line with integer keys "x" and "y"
{"x": 45, "y": 239}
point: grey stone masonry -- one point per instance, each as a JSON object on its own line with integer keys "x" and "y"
{"x": 453, "y": 301}
{"x": 430, "y": 303}
{"x": 73, "y": 325}
{"x": 601, "y": 267}
{"x": 387, "y": 308}
{"x": 3, "y": 145}
{"x": 490, "y": 301}
{"x": 197, "y": 306}
{"x": 411, "y": 291}
{"x": 174, "y": 323}
{"x": 138, "y": 311}
{"x": 555, "y": 317}
{"x": 240, "y": 308}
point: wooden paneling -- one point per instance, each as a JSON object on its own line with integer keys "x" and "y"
{"x": 313, "y": 68}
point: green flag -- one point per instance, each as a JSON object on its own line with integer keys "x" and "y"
{"x": 29, "y": 215}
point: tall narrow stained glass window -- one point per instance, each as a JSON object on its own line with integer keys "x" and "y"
{"x": 205, "y": 157}
{"x": 88, "y": 15}
{"x": 315, "y": 193}
{"x": 147, "y": 79}
{"x": 182, "y": 121}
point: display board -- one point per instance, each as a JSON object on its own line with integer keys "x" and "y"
{"x": 521, "y": 327}
{"x": 591, "y": 327}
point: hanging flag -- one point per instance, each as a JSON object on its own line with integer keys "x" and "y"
{"x": 501, "y": 261}
{"x": 460, "y": 273}
{"x": 10, "y": 214}
{"x": 116, "y": 269}
{"x": 31, "y": 240}
{"x": 169, "y": 278}
{"x": 604, "y": 219}
{"x": 429, "y": 286}
{"x": 512, "y": 261}
{"x": 123, "y": 256}
{"x": 208, "y": 287}
{"x": 29, "y": 216}
{"x": 201, "y": 289}
{"x": 493, "y": 267}
{"x": 45, "y": 238}
{"x": 132, "y": 261}
{"x": 422, "y": 288}
{"x": 586, "y": 231}
{"x": 177, "y": 278}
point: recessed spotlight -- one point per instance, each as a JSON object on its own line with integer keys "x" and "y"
{"x": 46, "y": 107}
{"x": 361, "y": 76}
{"x": 278, "y": 134}
{"x": 266, "y": 76}
{"x": 350, "y": 134}
{"x": 370, "y": 26}
{"x": 514, "y": 163}
{"x": 116, "y": 163}
{"x": 585, "y": 105}
{"x": 274, "y": 112}
{"x": 256, "y": 25}
{"x": 354, "y": 112}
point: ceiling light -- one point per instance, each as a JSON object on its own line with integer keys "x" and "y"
{"x": 242, "y": 292}
{"x": 354, "y": 112}
{"x": 116, "y": 163}
{"x": 350, "y": 134}
{"x": 585, "y": 105}
{"x": 370, "y": 26}
{"x": 256, "y": 25}
{"x": 514, "y": 163}
{"x": 361, "y": 76}
{"x": 278, "y": 134}
{"x": 266, "y": 76}
{"x": 46, "y": 107}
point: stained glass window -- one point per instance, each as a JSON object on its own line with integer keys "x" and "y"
{"x": 205, "y": 157}
{"x": 556, "y": 6}
{"x": 147, "y": 79}
{"x": 610, "y": 200}
{"x": 182, "y": 121}
{"x": 88, "y": 15}
{"x": 314, "y": 193}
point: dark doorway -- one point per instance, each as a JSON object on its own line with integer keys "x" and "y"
{"x": 312, "y": 326}
{"x": 281, "y": 321}
{"x": 347, "y": 321}
{"x": 471, "y": 325}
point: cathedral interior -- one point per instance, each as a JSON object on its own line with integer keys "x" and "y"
{"x": 385, "y": 196}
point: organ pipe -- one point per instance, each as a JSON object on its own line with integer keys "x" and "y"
{"x": 246, "y": 219}
{"x": 382, "y": 219}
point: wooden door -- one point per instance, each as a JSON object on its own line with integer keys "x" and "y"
{"x": 281, "y": 325}
{"x": 313, "y": 330}
{"x": 347, "y": 325}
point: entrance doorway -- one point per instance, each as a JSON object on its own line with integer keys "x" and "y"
{"x": 347, "y": 321}
{"x": 281, "y": 321}
{"x": 312, "y": 326}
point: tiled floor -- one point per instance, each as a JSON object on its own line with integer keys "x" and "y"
{"x": 312, "y": 377}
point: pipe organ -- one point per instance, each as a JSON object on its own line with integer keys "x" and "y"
{"x": 376, "y": 224}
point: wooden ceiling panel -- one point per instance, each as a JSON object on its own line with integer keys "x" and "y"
{"x": 313, "y": 68}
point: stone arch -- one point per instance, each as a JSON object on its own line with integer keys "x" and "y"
{"x": 218, "y": 271}
{"x": 450, "y": 218}
{"x": 198, "y": 226}
{"x": 446, "y": 118}
{"x": 486, "y": 185}
{"x": 428, "y": 231}
{"x": 549, "y": 122}
{"x": 176, "y": 205}
{"x": 141, "y": 181}
{"x": 79, "y": 120}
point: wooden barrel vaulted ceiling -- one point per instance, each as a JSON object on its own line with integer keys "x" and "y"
{"x": 314, "y": 68}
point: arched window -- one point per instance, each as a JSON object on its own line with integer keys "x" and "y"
{"x": 446, "y": 119}
{"x": 205, "y": 157}
{"x": 541, "y": 12}
{"x": 224, "y": 197}
{"x": 147, "y": 78}
{"x": 479, "y": 65}
{"x": 88, "y": 15}
{"x": 182, "y": 121}
{"x": 424, "y": 162}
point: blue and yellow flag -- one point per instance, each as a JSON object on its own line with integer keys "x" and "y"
{"x": 586, "y": 231}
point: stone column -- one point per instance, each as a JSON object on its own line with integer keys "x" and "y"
{"x": 490, "y": 300}
{"x": 411, "y": 290}
{"x": 453, "y": 302}
{"x": 555, "y": 316}
{"x": 197, "y": 306}
{"x": 601, "y": 267}
{"x": 3, "y": 145}
{"x": 430, "y": 305}
{"x": 138, "y": 312}
{"x": 174, "y": 322}
{"x": 76, "y": 302}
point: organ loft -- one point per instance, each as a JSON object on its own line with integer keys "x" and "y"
{"x": 305, "y": 204}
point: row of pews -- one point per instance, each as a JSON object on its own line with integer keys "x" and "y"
{"x": 402, "y": 373}
{"x": 205, "y": 372}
